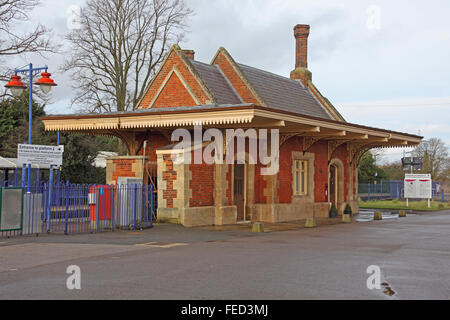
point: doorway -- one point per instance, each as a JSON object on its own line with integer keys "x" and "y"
{"x": 333, "y": 185}
{"x": 239, "y": 190}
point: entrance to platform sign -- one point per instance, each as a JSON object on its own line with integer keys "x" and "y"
{"x": 40, "y": 155}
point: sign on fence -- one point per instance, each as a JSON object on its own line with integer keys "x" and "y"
{"x": 40, "y": 155}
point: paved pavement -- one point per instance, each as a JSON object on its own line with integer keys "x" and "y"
{"x": 172, "y": 262}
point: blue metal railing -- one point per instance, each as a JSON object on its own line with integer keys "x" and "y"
{"x": 84, "y": 208}
{"x": 392, "y": 189}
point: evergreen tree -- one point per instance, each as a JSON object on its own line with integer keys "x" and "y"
{"x": 368, "y": 172}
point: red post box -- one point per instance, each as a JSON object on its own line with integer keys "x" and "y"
{"x": 101, "y": 201}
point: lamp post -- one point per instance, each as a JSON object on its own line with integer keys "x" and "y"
{"x": 17, "y": 88}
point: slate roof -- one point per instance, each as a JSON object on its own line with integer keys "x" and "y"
{"x": 217, "y": 83}
{"x": 283, "y": 93}
{"x": 276, "y": 91}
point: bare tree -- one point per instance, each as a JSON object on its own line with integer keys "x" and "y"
{"x": 435, "y": 154}
{"x": 118, "y": 47}
{"x": 12, "y": 12}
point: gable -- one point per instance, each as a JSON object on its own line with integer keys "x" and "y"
{"x": 174, "y": 93}
{"x": 186, "y": 80}
{"x": 217, "y": 83}
{"x": 231, "y": 71}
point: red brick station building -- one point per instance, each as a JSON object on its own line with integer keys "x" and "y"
{"x": 318, "y": 156}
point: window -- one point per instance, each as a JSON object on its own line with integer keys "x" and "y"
{"x": 300, "y": 184}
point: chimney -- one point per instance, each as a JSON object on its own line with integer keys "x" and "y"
{"x": 190, "y": 54}
{"x": 301, "y": 72}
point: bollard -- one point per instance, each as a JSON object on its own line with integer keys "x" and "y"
{"x": 347, "y": 218}
{"x": 310, "y": 223}
{"x": 377, "y": 215}
{"x": 258, "y": 227}
{"x": 402, "y": 214}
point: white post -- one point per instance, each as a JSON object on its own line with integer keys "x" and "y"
{"x": 407, "y": 203}
{"x": 429, "y": 203}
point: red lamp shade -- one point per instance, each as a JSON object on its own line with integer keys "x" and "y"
{"x": 45, "y": 82}
{"x": 16, "y": 86}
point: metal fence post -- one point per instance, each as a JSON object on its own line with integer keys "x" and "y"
{"x": 97, "y": 204}
{"x": 135, "y": 205}
{"x": 111, "y": 213}
{"x": 442, "y": 195}
{"x": 67, "y": 208}
{"x": 15, "y": 177}
{"x": 50, "y": 187}
{"x": 151, "y": 204}
{"x": 23, "y": 175}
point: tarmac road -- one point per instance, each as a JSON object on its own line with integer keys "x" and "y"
{"x": 329, "y": 262}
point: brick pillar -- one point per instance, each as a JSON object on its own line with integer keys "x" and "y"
{"x": 173, "y": 188}
{"x": 301, "y": 34}
{"x": 123, "y": 166}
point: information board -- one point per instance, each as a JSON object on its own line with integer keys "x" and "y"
{"x": 40, "y": 155}
{"x": 418, "y": 186}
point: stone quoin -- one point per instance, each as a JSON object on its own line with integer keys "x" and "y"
{"x": 318, "y": 150}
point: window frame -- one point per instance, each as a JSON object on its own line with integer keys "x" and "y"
{"x": 300, "y": 166}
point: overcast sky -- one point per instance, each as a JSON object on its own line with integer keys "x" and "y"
{"x": 382, "y": 63}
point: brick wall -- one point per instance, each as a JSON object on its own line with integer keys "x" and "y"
{"x": 155, "y": 141}
{"x": 174, "y": 94}
{"x": 320, "y": 149}
{"x": 285, "y": 173}
{"x": 123, "y": 168}
{"x": 229, "y": 194}
{"x": 260, "y": 185}
{"x": 202, "y": 185}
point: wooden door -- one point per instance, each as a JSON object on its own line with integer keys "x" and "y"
{"x": 239, "y": 187}
{"x": 333, "y": 184}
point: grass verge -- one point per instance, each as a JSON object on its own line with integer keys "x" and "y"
{"x": 401, "y": 205}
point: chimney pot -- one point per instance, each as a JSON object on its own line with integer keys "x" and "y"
{"x": 190, "y": 54}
